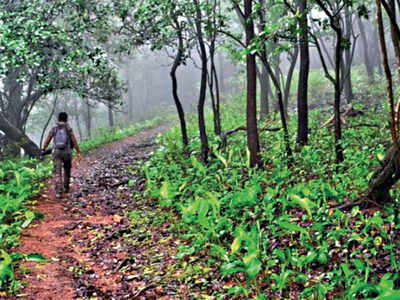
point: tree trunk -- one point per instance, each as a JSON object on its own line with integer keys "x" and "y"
{"x": 281, "y": 108}
{"x": 221, "y": 75}
{"x": 18, "y": 137}
{"x": 263, "y": 78}
{"x": 277, "y": 73}
{"x": 251, "y": 113}
{"x": 77, "y": 119}
{"x": 203, "y": 84}
{"x": 302, "y": 89}
{"x": 88, "y": 120}
{"x": 215, "y": 97}
{"x": 367, "y": 62}
{"x": 388, "y": 173}
{"x": 346, "y": 63}
{"x": 378, "y": 56}
{"x": 289, "y": 80}
{"x": 385, "y": 177}
{"x": 176, "y": 64}
{"x": 218, "y": 99}
{"x": 338, "y": 123}
{"x": 110, "y": 116}
{"x": 46, "y": 125}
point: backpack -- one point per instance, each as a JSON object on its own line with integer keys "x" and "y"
{"x": 61, "y": 137}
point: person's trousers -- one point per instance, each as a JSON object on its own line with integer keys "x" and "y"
{"x": 62, "y": 161}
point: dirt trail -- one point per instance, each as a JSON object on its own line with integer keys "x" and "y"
{"x": 95, "y": 250}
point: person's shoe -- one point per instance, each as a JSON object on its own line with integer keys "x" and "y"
{"x": 58, "y": 196}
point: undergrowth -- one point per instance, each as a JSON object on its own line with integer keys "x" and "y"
{"x": 274, "y": 232}
{"x": 20, "y": 181}
{"x": 105, "y": 135}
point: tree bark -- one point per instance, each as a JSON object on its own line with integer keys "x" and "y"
{"x": 338, "y": 123}
{"x": 221, "y": 75}
{"x": 263, "y": 75}
{"x": 289, "y": 77}
{"x": 203, "y": 83}
{"x": 302, "y": 89}
{"x": 176, "y": 64}
{"x": 251, "y": 111}
{"x": 263, "y": 78}
{"x": 347, "y": 62}
{"x": 77, "y": 119}
{"x": 18, "y": 137}
{"x": 110, "y": 116}
{"x": 385, "y": 177}
{"x": 88, "y": 120}
{"x": 388, "y": 173}
{"x": 213, "y": 79}
{"x": 395, "y": 37}
{"x": 379, "y": 56}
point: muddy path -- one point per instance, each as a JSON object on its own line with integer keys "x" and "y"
{"x": 105, "y": 240}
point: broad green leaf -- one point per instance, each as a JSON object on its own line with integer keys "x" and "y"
{"x": 304, "y": 203}
{"x": 235, "y": 245}
{"x": 253, "y": 268}
{"x": 292, "y": 227}
{"x": 37, "y": 257}
{"x": 222, "y": 159}
{"x": 29, "y": 217}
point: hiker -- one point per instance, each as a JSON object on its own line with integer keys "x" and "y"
{"x": 64, "y": 140}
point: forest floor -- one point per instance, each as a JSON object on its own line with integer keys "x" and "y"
{"x": 103, "y": 240}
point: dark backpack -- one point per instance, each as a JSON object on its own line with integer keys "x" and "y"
{"x": 61, "y": 137}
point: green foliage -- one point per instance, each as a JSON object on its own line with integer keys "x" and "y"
{"x": 105, "y": 135}
{"x": 19, "y": 181}
{"x": 22, "y": 179}
{"x": 276, "y": 225}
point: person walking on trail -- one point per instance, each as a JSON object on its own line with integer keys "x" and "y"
{"x": 64, "y": 140}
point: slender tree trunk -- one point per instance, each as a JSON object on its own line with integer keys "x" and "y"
{"x": 263, "y": 75}
{"x": 277, "y": 72}
{"x": 263, "y": 78}
{"x": 218, "y": 99}
{"x": 281, "y": 110}
{"x": 395, "y": 37}
{"x": 48, "y": 120}
{"x": 338, "y": 123}
{"x": 251, "y": 113}
{"x": 379, "y": 57}
{"x": 302, "y": 89}
{"x": 77, "y": 119}
{"x": 176, "y": 64}
{"x": 88, "y": 120}
{"x": 110, "y": 116}
{"x": 203, "y": 84}
{"x": 367, "y": 61}
{"x": 215, "y": 97}
{"x": 289, "y": 80}
{"x": 221, "y": 75}
{"x": 346, "y": 63}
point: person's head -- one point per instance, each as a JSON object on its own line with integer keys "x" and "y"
{"x": 62, "y": 117}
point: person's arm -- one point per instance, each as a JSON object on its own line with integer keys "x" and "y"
{"x": 48, "y": 139}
